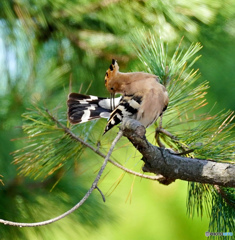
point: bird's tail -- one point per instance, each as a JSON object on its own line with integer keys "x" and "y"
{"x": 83, "y": 108}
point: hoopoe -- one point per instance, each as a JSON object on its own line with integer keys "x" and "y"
{"x": 143, "y": 98}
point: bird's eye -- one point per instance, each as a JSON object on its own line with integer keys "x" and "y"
{"x": 111, "y": 88}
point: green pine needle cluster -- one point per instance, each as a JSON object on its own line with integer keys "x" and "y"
{"x": 223, "y": 211}
{"x": 48, "y": 147}
{"x": 208, "y": 136}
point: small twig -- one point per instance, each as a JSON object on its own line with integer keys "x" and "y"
{"x": 224, "y": 196}
{"x": 103, "y": 197}
{"x": 170, "y": 135}
{"x": 174, "y": 138}
{"x": 94, "y": 185}
{"x": 184, "y": 152}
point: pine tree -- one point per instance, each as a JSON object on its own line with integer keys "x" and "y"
{"x": 51, "y": 148}
{"x": 45, "y": 44}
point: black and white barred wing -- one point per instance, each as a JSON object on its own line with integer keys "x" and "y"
{"x": 83, "y": 108}
{"x": 127, "y": 108}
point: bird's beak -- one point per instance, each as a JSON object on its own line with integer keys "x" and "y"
{"x": 112, "y": 101}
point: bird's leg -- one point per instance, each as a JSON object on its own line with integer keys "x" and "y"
{"x": 160, "y": 122}
{"x": 158, "y": 130}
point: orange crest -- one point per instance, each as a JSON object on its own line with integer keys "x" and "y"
{"x": 110, "y": 73}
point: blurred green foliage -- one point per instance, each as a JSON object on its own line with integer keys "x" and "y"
{"x": 48, "y": 47}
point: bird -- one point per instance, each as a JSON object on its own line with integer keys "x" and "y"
{"x": 142, "y": 98}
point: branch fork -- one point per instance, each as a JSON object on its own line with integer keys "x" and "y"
{"x": 171, "y": 166}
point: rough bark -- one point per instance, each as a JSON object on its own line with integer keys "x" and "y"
{"x": 171, "y": 166}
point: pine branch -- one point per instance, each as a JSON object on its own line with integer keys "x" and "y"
{"x": 84, "y": 143}
{"x": 42, "y": 123}
{"x": 162, "y": 161}
{"x": 208, "y": 136}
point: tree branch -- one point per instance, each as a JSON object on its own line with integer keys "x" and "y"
{"x": 76, "y": 138}
{"x": 162, "y": 161}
